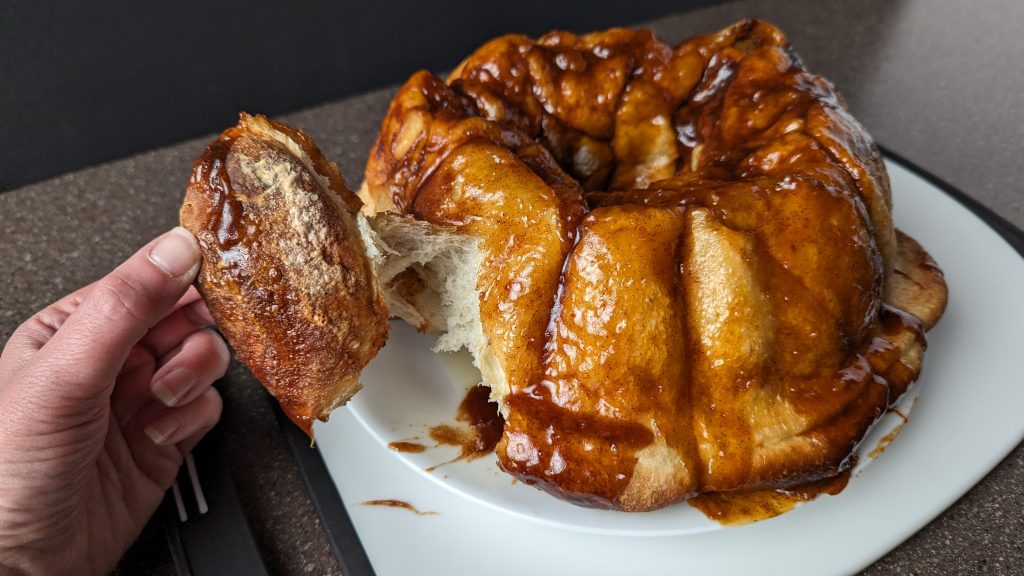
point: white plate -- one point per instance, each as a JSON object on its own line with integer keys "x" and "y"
{"x": 965, "y": 422}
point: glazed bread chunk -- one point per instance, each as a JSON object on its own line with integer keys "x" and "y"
{"x": 690, "y": 281}
{"x": 285, "y": 272}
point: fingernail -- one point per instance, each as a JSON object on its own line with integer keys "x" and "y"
{"x": 174, "y": 385}
{"x": 176, "y": 253}
{"x": 161, "y": 429}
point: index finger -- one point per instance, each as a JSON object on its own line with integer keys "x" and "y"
{"x": 87, "y": 351}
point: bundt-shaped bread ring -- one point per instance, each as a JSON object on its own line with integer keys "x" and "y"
{"x": 688, "y": 258}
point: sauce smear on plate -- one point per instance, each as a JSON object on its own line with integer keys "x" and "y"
{"x": 735, "y": 508}
{"x": 398, "y": 504}
{"x": 481, "y": 427}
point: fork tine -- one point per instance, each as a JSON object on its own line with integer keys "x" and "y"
{"x": 178, "y": 502}
{"x": 193, "y": 477}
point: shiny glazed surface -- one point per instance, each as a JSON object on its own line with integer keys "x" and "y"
{"x": 687, "y": 252}
{"x": 284, "y": 272}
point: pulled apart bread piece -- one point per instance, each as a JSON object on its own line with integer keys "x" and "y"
{"x": 285, "y": 272}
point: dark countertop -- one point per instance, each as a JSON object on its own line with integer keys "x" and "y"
{"x": 938, "y": 82}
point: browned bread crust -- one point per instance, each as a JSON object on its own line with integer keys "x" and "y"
{"x": 284, "y": 270}
{"x": 917, "y": 284}
{"x": 690, "y": 282}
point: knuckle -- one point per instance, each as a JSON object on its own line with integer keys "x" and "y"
{"x": 39, "y": 328}
{"x": 42, "y": 325}
{"x": 120, "y": 296}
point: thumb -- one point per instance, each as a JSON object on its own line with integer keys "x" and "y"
{"x": 91, "y": 346}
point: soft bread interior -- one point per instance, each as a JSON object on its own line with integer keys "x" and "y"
{"x": 428, "y": 276}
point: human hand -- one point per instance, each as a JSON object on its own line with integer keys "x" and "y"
{"x": 101, "y": 395}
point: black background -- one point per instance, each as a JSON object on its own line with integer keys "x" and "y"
{"x": 85, "y": 82}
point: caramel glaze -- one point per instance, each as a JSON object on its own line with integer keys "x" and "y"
{"x": 481, "y": 426}
{"x": 403, "y": 446}
{"x": 884, "y": 442}
{"x": 744, "y": 507}
{"x": 686, "y": 255}
{"x": 283, "y": 272}
{"x": 398, "y": 504}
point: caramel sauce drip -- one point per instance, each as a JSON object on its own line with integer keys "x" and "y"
{"x": 480, "y": 429}
{"x": 407, "y": 447}
{"x": 572, "y": 436}
{"x": 884, "y": 442}
{"x": 735, "y": 508}
{"x": 398, "y": 504}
